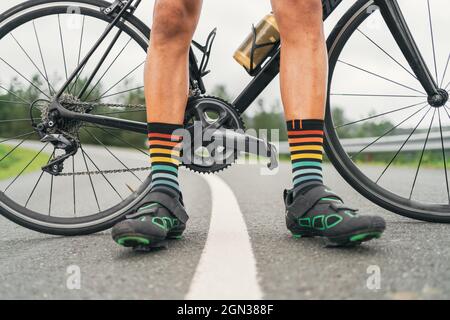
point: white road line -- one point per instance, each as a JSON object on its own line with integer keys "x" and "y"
{"x": 227, "y": 267}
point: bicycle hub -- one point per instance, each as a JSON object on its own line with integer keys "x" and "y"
{"x": 439, "y": 100}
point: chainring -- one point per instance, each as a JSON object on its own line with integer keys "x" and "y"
{"x": 212, "y": 113}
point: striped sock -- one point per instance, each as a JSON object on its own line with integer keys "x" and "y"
{"x": 306, "y": 147}
{"x": 165, "y": 154}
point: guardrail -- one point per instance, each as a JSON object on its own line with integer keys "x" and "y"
{"x": 389, "y": 144}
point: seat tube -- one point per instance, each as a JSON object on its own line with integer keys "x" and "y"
{"x": 395, "y": 20}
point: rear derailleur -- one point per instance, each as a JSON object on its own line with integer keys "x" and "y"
{"x": 60, "y": 142}
{"x": 49, "y": 133}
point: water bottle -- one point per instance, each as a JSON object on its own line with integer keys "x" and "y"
{"x": 258, "y": 45}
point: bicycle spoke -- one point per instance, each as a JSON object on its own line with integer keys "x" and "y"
{"x": 19, "y": 136}
{"x": 90, "y": 177}
{"x": 379, "y": 76}
{"x": 112, "y": 154}
{"x": 99, "y": 65}
{"x": 51, "y": 196}
{"x": 119, "y": 112}
{"x": 446, "y": 108}
{"x": 109, "y": 68}
{"x": 15, "y": 95}
{"x": 374, "y": 95}
{"x": 80, "y": 46}
{"x": 42, "y": 57}
{"x": 122, "y": 140}
{"x": 77, "y": 78}
{"x": 432, "y": 39}
{"x": 23, "y": 77}
{"x": 38, "y": 181}
{"x": 73, "y": 188}
{"x": 15, "y": 102}
{"x": 15, "y": 120}
{"x": 386, "y": 53}
{"x": 101, "y": 173}
{"x": 118, "y": 93}
{"x": 380, "y": 115}
{"x": 402, "y": 146}
{"x": 32, "y": 62}
{"x": 444, "y": 155}
{"x": 386, "y": 133}
{"x": 12, "y": 150}
{"x": 422, "y": 154}
{"x": 25, "y": 168}
{"x": 445, "y": 71}
{"x": 118, "y": 82}
{"x": 62, "y": 47}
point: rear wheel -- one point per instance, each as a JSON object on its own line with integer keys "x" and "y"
{"x": 42, "y": 43}
{"x": 383, "y": 134}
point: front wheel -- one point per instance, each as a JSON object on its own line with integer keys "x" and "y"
{"x": 383, "y": 136}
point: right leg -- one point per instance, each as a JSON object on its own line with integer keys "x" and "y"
{"x": 167, "y": 69}
{"x": 167, "y": 83}
{"x": 161, "y": 213}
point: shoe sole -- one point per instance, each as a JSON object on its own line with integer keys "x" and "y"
{"x": 142, "y": 242}
{"x": 349, "y": 240}
{"x": 136, "y": 240}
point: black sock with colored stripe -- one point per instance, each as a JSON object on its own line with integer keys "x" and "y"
{"x": 306, "y": 148}
{"x": 165, "y": 154}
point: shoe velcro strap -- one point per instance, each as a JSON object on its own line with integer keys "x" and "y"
{"x": 306, "y": 201}
{"x": 341, "y": 206}
{"x": 170, "y": 203}
{"x": 144, "y": 212}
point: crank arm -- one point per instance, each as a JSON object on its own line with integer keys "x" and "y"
{"x": 247, "y": 144}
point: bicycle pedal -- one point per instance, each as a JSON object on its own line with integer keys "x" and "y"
{"x": 248, "y": 144}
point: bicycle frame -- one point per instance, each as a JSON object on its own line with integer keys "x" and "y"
{"x": 390, "y": 11}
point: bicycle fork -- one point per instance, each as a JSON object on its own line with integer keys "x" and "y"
{"x": 395, "y": 21}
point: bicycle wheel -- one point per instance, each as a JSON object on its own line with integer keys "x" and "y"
{"x": 383, "y": 136}
{"x": 41, "y": 43}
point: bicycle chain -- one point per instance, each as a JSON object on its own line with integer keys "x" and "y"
{"x": 101, "y": 172}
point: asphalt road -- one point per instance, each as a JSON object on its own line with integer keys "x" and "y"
{"x": 413, "y": 257}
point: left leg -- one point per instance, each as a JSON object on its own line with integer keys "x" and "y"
{"x": 312, "y": 209}
{"x": 304, "y": 63}
{"x": 303, "y": 77}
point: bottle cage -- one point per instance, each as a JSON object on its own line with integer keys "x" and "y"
{"x": 206, "y": 50}
{"x": 255, "y": 46}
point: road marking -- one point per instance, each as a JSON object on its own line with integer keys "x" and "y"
{"x": 227, "y": 267}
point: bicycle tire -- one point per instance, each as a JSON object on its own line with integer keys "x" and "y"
{"x": 17, "y": 16}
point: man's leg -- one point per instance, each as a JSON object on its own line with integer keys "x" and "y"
{"x": 161, "y": 214}
{"x": 167, "y": 82}
{"x": 304, "y": 71}
{"x": 313, "y": 210}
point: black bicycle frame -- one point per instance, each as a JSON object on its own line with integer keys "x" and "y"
{"x": 390, "y": 11}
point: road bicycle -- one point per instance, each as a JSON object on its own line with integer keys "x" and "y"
{"x": 73, "y": 104}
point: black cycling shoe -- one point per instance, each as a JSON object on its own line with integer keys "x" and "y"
{"x": 159, "y": 216}
{"x": 319, "y": 212}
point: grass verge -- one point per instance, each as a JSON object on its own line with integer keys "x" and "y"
{"x": 15, "y": 162}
